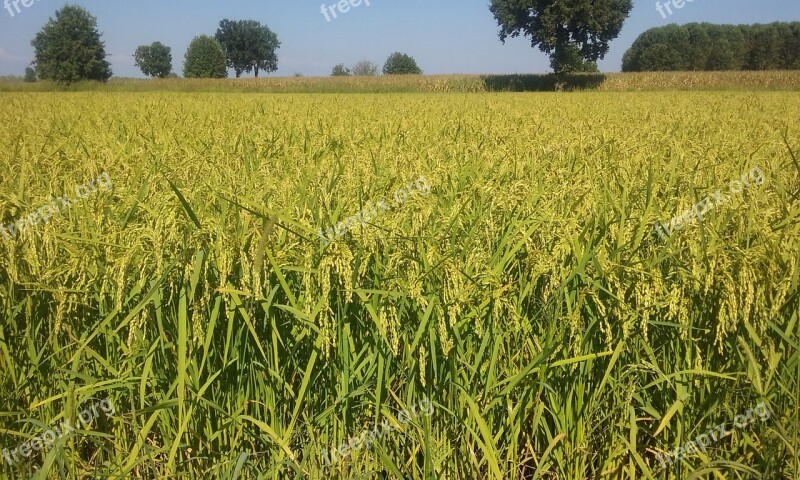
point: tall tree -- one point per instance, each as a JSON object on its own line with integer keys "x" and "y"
{"x": 68, "y": 49}
{"x": 696, "y": 55}
{"x": 662, "y": 48}
{"x": 204, "y": 59}
{"x": 763, "y": 47}
{"x": 727, "y": 47}
{"x": 790, "y": 54}
{"x": 401, "y": 64}
{"x": 154, "y": 60}
{"x": 365, "y": 68}
{"x": 560, "y": 27}
{"x": 249, "y": 46}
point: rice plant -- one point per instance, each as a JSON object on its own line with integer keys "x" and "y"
{"x": 527, "y": 295}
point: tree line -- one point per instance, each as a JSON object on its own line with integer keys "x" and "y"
{"x": 710, "y": 47}
{"x": 69, "y": 49}
{"x": 397, "y": 64}
{"x": 574, "y": 35}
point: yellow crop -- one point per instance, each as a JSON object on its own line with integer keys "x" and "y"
{"x": 527, "y": 295}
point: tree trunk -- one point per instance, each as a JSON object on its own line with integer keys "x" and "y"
{"x": 256, "y": 71}
{"x": 558, "y": 60}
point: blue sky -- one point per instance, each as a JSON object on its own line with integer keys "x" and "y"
{"x": 445, "y": 36}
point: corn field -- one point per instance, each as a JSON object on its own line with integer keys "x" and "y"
{"x": 526, "y": 296}
{"x": 783, "y": 80}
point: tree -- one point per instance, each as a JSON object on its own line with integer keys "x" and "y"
{"x": 30, "y": 75}
{"x": 340, "y": 71}
{"x": 709, "y": 47}
{"x": 68, "y": 49}
{"x": 205, "y": 58}
{"x": 248, "y": 46}
{"x": 727, "y": 48}
{"x": 763, "y": 47}
{"x": 573, "y": 61}
{"x": 365, "y": 68}
{"x": 154, "y": 60}
{"x": 696, "y": 56}
{"x": 659, "y": 49}
{"x": 791, "y": 47}
{"x": 559, "y": 27}
{"x": 401, "y": 64}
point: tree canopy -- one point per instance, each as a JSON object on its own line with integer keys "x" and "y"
{"x": 401, "y": 64}
{"x": 563, "y": 28}
{"x": 154, "y": 60}
{"x": 248, "y": 45}
{"x": 340, "y": 71}
{"x": 365, "y": 68}
{"x": 68, "y": 49}
{"x": 710, "y": 47}
{"x": 205, "y": 58}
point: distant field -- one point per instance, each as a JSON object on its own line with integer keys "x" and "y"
{"x": 524, "y": 292}
{"x": 651, "y": 81}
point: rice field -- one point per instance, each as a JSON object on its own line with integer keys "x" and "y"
{"x": 521, "y": 319}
